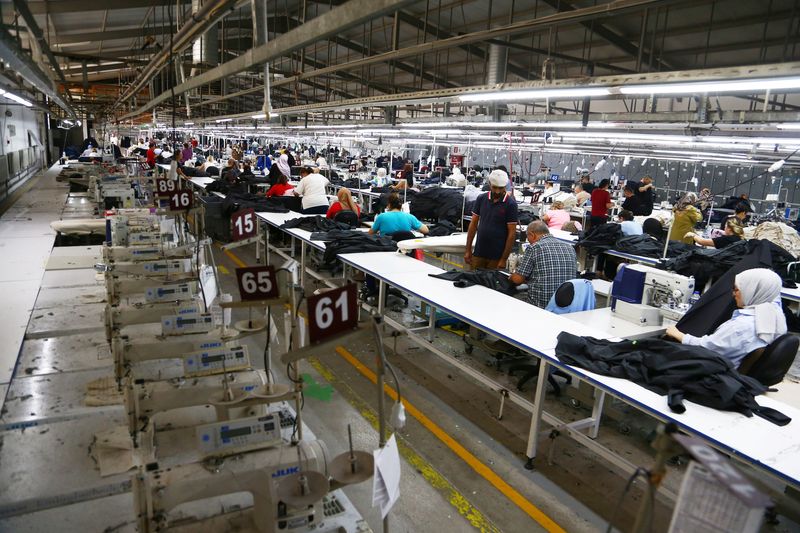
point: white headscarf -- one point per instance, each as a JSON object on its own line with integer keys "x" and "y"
{"x": 760, "y": 289}
{"x": 283, "y": 165}
{"x": 322, "y": 163}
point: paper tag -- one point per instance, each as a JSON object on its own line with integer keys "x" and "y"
{"x": 386, "y": 477}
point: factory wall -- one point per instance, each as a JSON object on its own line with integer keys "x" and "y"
{"x": 22, "y": 146}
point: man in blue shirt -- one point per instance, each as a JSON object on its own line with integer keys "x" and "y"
{"x": 628, "y": 225}
{"x": 494, "y": 223}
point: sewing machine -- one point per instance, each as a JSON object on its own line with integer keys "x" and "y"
{"x": 645, "y": 295}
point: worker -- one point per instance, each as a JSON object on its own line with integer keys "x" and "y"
{"x": 151, "y": 154}
{"x": 556, "y": 216}
{"x": 586, "y": 183}
{"x": 547, "y": 263}
{"x": 344, "y": 202}
{"x": 601, "y": 203}
{"x": 581, "y": 195}
{"x": 628, "y": 225}
{"x": 734, "y": 232}
{"x": 283, "y": 165}
{"x": 758, "y": 321}
{"x": 322, "y": 163}
{"x": 739, "y": 215}
{"x": 645, "y": 191}
{"x": 282, "y": 187}
{"x": 381, "y": 179}
{"x": 394, "y": 220}
{"x": 493, "y": 227}
{"x": 549, "y": 190}
{"x": 312, "y": 189}
{"x": 684, "y": 216}
{"x": 632, "y": 202}
{"x": 187, "y": 154}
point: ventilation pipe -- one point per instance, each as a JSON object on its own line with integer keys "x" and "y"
{"x": 206, "y": 17}
{"x": 205, "y": 50}
{"x": 20, "y": 63}
{"x": 260, "y": 37}
{"x": 496, "y": 64}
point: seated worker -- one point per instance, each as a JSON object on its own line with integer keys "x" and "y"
{"x": 247, "y": 172}
{"x": 393, "y": 219}
{"x": 632, "y": 202}
{"x": 549, "y": 190}
{"x": 685, "y": 216}
{"x": 381, "y": 179}
{"x": 547, "y": 264}
{"x": 556, "y": 216}
{"x": 281, "y": 188}
{"x": 151, "y": 155}
{"x": 628, "y": 225}
{"x": 734, "y": 232}
{"x": 345, "y": 202}
{"x": 312, "y": 189}
{"x": 581, "y": 196}
{"x": 758, "y": 321}
{"x": 739, "y": 215}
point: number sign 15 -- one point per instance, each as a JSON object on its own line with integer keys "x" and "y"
{"x": 165, "y": 186}
{"x": 257, "y": 283}
{"x": 244, "y": 224}
{"x": 332, "y": 312}
{"x": 180, "y": 199}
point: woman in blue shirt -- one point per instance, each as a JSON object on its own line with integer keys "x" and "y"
{"x": 758, "y": 321}
{"x": 393, "y": 219}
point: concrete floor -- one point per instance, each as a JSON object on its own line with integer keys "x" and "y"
{"x": 461, "y": 466}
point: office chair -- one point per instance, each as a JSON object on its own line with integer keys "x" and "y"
{"x": 769, "y": 364}
{"x": 654, "y": 228}
{"x": 346, "y": 216}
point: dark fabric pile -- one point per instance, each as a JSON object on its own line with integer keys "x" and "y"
{"x": 680, "y": 372}
{"x": 442, "y": 228}
{"x": 600, "y": 238}
{"x": 316, "y": 223}
{"x": 436, "y": 203}
{"x": 332, "y": 235}
{"x": 380, "y": 203}
{"x": 236, "y": 201}
{"x": 525, "y": 213}
{"x": 355, "y": 183}
{"x": 356, "y": 241}
{"x": 492, "y": 279}
{"x": 224, "y": 187}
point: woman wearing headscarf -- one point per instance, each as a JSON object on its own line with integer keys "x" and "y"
{"x": 381, "y": 179}
{"x": 685, "y": 216}
{"x": 283, "y": 165}
{"x": 345, "y": 203}
{"x": 758, "y": 321}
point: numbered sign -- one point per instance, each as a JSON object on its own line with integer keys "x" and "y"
{"x": 244, "y": 224}
{"x": 332, "y": 312}
{"x": 180, "y": 199}
{"x": 257, "y": 283}
{"x": 166, "y": 186}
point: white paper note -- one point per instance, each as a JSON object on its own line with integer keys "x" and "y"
{"x": 386, "y": 476}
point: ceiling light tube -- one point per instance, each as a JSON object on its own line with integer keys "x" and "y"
{"x": 534, "y": 94}
{"x": 15, "y": 98}
{"x": 219, "y": 120}
{"x": 727, "y": 86}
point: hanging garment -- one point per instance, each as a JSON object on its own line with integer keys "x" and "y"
{"x": 493, "y": 279}
{"x": 436, "y": 203}
{"x": 667, "y": 368}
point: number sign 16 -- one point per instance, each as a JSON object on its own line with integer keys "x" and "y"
{"x": 332, "y": 312}
{"x": 257, "y": 283}
{"x": 244, "y": 224}
{"x": 180, "y": 200}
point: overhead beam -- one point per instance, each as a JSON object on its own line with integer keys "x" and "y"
{"x": 326, "y": 25}
{"x": 76, "y": 6}
{"x": 109, "y": 35}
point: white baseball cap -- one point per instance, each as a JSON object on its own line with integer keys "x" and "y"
{"x": 498, "y": 178}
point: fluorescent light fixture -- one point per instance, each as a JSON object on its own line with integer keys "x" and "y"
{"x": 788, "y": 126}
{"x": 728, "y": 86}
{"x": 533, "y": 94}
{"x": 777, "y": 165}
{"x": 219, "y": 120}
{"x": 188, "y": 123}
{"x": 15, "y": 98}
{"x": 260, "y": 115}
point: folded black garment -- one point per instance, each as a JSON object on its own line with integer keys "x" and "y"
{"x": 317, "y": 223}
{"x": 333, "y": 235}
{"x": 357, "y": 241}
{"x": 600, "y": 238}
{"x": 236, "y": 201}
{"x": 493, "y": 279}
{"x": 442, "y": 228}
{"x": 436, "y": 203}
{"x": 670, "y": 369}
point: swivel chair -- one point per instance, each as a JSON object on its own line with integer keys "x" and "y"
{"x": 769, "y": 364}
{"x": 654, "y": 228}
{"x": 346, "y": 216}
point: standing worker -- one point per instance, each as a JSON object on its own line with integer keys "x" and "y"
{"x": 494, "y": 224}
{"x": 645, "y": 191}
{"x": 601, "y": 203}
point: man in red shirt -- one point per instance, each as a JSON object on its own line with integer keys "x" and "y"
{"x": 151, "y": 155}
{"x": 601, "y": 203}
{"x": 194, "y": 142}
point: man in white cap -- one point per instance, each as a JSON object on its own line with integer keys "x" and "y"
{"x": 494, "y": 223}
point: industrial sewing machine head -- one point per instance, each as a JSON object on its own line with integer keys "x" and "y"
{"x": 643, "y": 294}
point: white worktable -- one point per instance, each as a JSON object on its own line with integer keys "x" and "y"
{"x": 606, "y": 320}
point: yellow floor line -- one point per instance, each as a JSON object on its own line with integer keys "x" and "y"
{"x": 484, "y": 471}
{"x": 461, "y": 504}
{"x": 446, "y": 261}
{"x": 238, "y": 262}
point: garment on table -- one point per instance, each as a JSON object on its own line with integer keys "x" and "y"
{"x": 492, "y": 279}
{"x": 355, "y": 184}
{"x": 315, "y": 223}
{"x": 779, "y": 233}
{"x": 600, "y": 200}
{"x": 356, "y": 242}
{"x": 236, "y": 201}
{"x": 547, "y": 264}
{"x": 442, "y": 228}
{"x": 643, "y": 245}
{"x": 225, "y": 187}
{"x": 631, "y": 227}
{"x": 312, "y": 189}
{"x": 683, "y": 222}
{"x": 490, "y": 239}
{"x": 393, "y": 221}
{"x": 337, "y": 207}
{"x": 600, "y": 238}
{"x": 681, "y": 372}
{"x": 437, "y": 203}
{"x": 333, "y": 235}
{"x": 583, "y": 298}
{"x": 725, "y": 241}
{"x": 557, "y": 218}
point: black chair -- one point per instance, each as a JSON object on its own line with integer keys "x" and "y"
{"x": 768, "y": 365}
{"x": 346, "y": 216}
{"x": 654, "y": 228}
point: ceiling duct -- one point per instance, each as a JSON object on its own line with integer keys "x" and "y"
{"x": 19, "y": 62}
{"x": 260, "y": 37}
{"x": 205, "y": 49}
{"x": 496, "y": 64}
